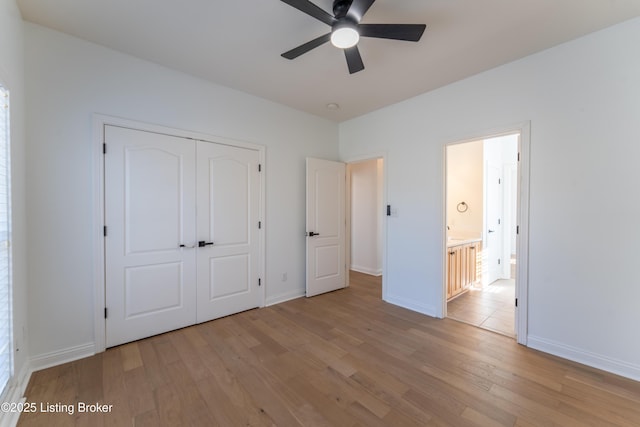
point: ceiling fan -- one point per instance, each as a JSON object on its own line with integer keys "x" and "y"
{"x": 346, "y": 29}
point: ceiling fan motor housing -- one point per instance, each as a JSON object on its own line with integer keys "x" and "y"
{"x": 341, "y": 7}
{"x": 345, "y": 22}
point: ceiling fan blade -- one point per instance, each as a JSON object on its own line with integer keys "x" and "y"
{"x": 408, "y": 32}
{"x": 304, "y": 48}
{"x": 311, "y": 10}
{"x": 359, "y": 8}
{"x": 354, "y": 60}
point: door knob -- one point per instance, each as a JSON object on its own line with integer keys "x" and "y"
{"x": 491, "y": 231}
{"x": 188, "y": 247}
{"x": 311, "y": 234}
{"x": 202, "y": 243}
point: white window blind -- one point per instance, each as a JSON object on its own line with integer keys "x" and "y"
{"x": 5, "y": 252}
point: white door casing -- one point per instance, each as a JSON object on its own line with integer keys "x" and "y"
{"x": 228, "y": 225}
{"x": 150, "y": 212}
{"x": 326, "y": 229}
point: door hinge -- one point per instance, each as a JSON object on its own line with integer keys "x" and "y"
{"x": 259, "y": 167}
{"x": 498, "y": 261}
{"x": 259, "y": 225}
{"x": 516, "y": 302}
{"x": 105, "y": 312}
{"x": 104, "y": 231}
{"x": 499, "y": 181}
{"x": 498, "y": 221}
{"x": 104, "y": 148}
{"x": 259, "y": 282}
{"x": 517, "y": 229}
{"x": 518, "y": 156}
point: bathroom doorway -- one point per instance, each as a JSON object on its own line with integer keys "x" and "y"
{"x": 481, "y": 212}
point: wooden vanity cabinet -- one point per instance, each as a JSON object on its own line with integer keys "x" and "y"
{"x": 454, "y": 270}
{"x": 463, "y": 266}
{"x": 474, "y": 262}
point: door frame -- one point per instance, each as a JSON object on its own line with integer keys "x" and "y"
{"x": 357, "y": 159}
{"x": 99, "y": 266}
{"x": 522, "y": 237}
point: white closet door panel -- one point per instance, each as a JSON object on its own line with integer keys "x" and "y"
{"x": 228, "y": 187}
{"x": 149, "y": 212}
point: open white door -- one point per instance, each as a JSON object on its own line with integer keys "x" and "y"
{"x": 493, "y": 230}
{"x": 326, "y": 229}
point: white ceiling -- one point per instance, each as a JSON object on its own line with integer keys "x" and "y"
{"x": 237, "y": 43}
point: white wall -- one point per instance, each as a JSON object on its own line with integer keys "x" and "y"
{"x": 11, "y": 75}
{"x": 583, "y": 102}
{"x": 67, "y": 81}
{"x": 366, "y": 213}
{"x": 464, "y": 184}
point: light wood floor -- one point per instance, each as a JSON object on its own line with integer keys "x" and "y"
{"x": 491, "y": 307}
{"x": 339, "y": 359}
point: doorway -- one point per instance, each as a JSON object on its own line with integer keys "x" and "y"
{"x": 482, "y": 204}
{"x": 366, "y": 219}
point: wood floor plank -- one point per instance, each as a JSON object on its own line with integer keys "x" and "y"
{"x": 130, "y": 356}
{"x": 345, "y": 358}
{"x": 170, "y": 409}
{"x": 89, "y": 372}
{"x": 114, "y": 390}
{"x": 194, "y": 408}
{"x": 153, "y": 366}
{"x": 189, "y": 358}
{"x": 328, "y": 405}
{"x": 252, "y": 393}
{"x": 147, "y": 419}
{"x": 141, "y": 396}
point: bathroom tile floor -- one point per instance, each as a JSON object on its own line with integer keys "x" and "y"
{"x": 490, "y": 308}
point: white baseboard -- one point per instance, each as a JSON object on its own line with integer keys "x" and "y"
{"x": 15, "y": 394}
{"x": 411, "y": 305}
{"x": 287, "y": 296}
{"x": 366, "y": 270}
{"x": 594, "y": 360}
{"x": 59, "y": 357}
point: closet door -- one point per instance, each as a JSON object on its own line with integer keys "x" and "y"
{"x": 150, "y": 184}
{"x": 228, "y": 194}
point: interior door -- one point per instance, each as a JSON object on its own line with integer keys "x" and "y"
{"x": 493, "y": 236}
{"x": 150, "y": 212}
{"x": 326, "y": 229}
{"x": 228, "y": 194}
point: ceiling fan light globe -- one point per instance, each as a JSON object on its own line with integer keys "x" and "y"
{"x": 344, "y": 37}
